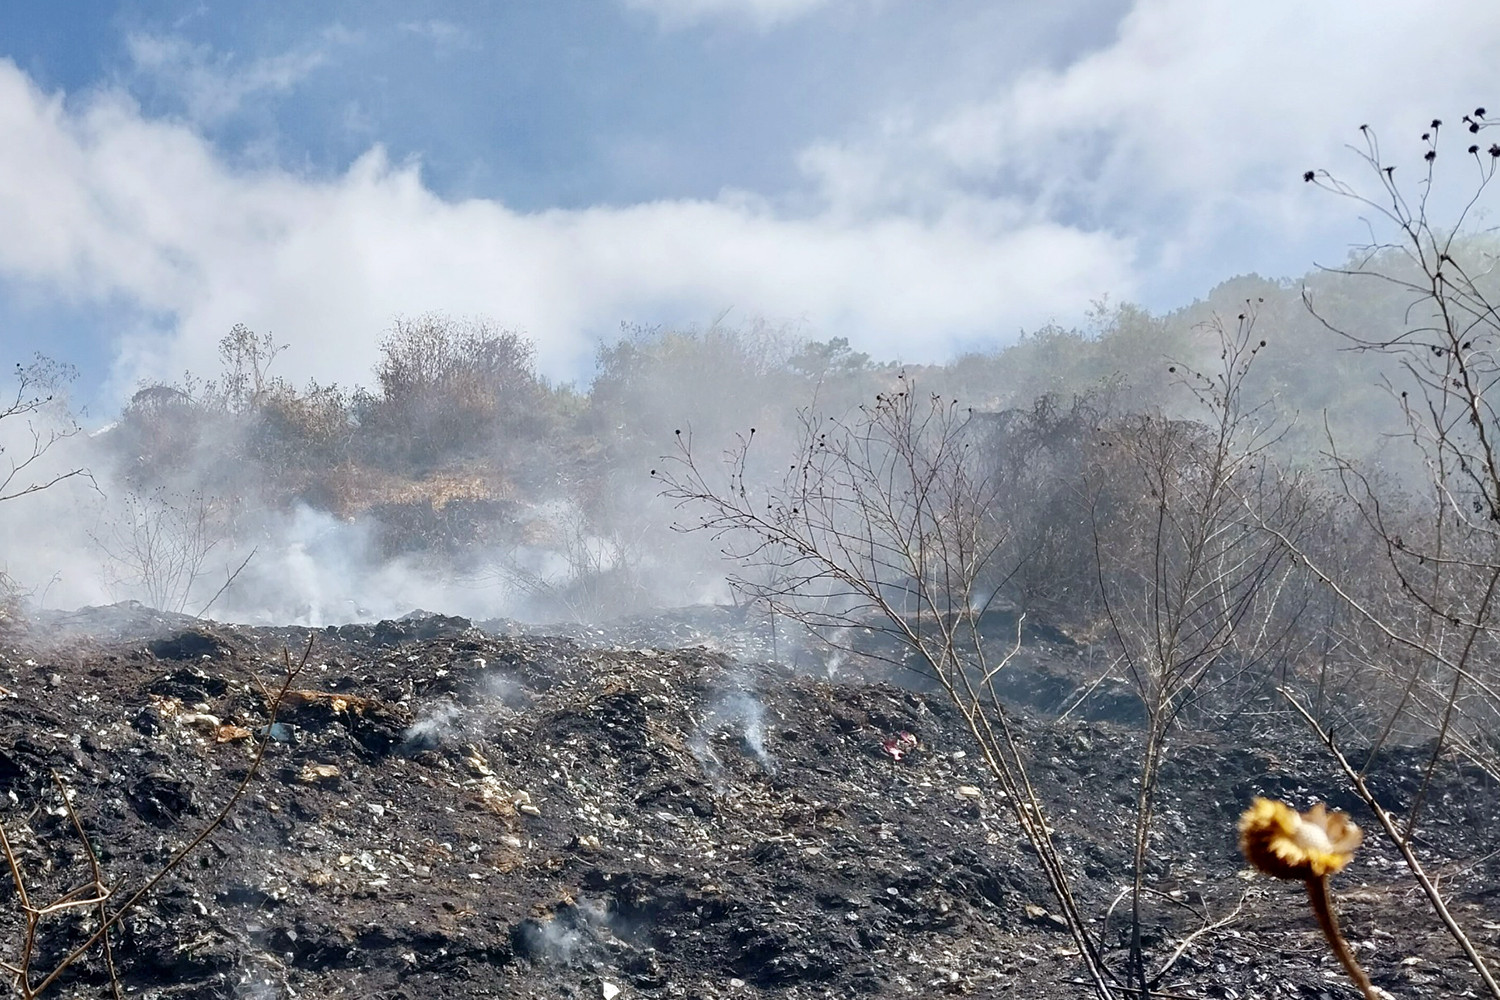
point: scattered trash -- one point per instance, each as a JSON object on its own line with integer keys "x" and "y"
{"x": 898, "y": 746}
{"x": 1041, "y": 915}
{"x": 476, "y": 762}
{"x": 277, "y": 732}
{"x": 201, "y": 721}
{"x": 314, "y": 773}
{"x": 338, "y": 703}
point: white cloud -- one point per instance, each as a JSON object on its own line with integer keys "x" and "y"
{"x": 1193, "y": 125}
{"x": 760, "y": 13}
{"x": 445, "y": 36}
{"x": 213, "y": 86}
{"x": 100, "y": 203}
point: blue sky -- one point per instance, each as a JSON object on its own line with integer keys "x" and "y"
{"x": 920, "y": 176}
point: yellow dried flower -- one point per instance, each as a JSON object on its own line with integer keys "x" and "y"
{"x": 1287, "y": 844}
{"x": 1307, "y": 847}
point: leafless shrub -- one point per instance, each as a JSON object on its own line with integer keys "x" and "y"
{"x": 157, "y": 546}
{"x": 580, "y": 570}
{"x": 1042, "y": 454}
{"x": 1189, "y": 582}
{"x": 245, "y": 378}
{"x": 885, "y": 521}
{"x": 103, "y": 906}
{"x": 1434, "y": 608}
{"x": 34, "y": 402}
{"x": 33, "y": 420}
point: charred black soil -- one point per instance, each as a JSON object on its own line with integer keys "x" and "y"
{"x": 653, "y": 810}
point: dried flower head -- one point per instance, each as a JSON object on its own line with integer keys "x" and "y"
{"x": 1287, "y": 844}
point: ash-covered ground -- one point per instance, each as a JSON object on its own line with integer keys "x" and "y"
{"x": 654, "y": 809}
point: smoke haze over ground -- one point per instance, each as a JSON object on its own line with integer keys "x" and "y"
{"x": 461, "y": 481}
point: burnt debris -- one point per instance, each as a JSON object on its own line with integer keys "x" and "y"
{"x": 631, "y": 813}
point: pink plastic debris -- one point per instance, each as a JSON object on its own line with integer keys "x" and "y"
{"x": 900, "y": 745}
